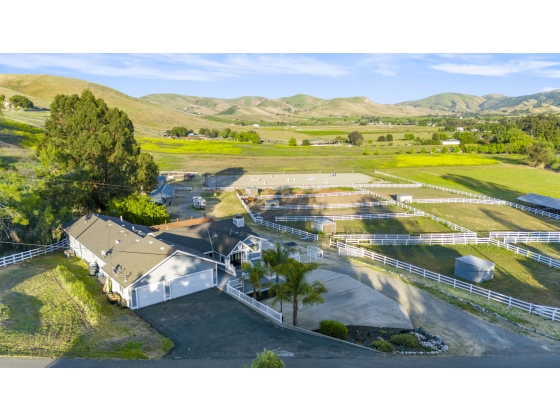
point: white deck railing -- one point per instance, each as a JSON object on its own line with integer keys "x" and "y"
{"x": 263, "y": 309}
{"x": 544, "y": 311}
{"x": 26, "y": 255}
{"x": 529, "y": 254}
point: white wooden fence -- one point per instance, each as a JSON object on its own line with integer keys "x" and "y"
{"x": 420, "y": 241}
{"x": 265, "y": 310}
{"x": 26, "y": 255}
{"x": 303, "y": 234}
{"x": 484, "y": 197}
{"x": 371, "y": 216}
{"x": 532, "y": 255}
{"x": 525, "y": 237}
{"x": 435, "y": 218}
{"x": 328, "y": 206}
{"x": 460, "y": 200}
{"x": 544, "y": 311}
{"x": 317, "y": 195}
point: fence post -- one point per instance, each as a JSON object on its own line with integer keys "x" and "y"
{"x": 454, "y": 283}
{"x": 489, "y": 293}
{"x": 509, "y": 303}
{"x": 438, "y": 277}
{"x": 554, "y": 313}
{"x": 470, "y": 289}
{"x": 530, "y": 308}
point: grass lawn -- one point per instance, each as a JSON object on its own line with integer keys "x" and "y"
{"x": 411, "y": 226}
{"x": 551, "y": 250}
{"x": 513, "y": 275}
{"x": 51, "y": 307}
{"x": 224, "y": 205}
{"x": 502, "y": 181}
{"x": 484, "y": 217}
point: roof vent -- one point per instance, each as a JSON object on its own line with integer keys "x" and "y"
{"x": 137, "y": 240}
{"x": 122, "y": 231}
{"x": 238, "y": 220}
{"x": 215, "y": 235}
{"x": 117, "y": 241}
{"x": 150, "y": 242}
{"x": 162, "y": 248}
{"x": 110, "y": 224}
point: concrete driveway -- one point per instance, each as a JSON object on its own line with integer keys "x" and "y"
{"x": 212, "y": 325}
{"x": 347, "y": 301}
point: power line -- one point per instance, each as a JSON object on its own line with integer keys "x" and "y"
{"x": 22, "y": 243}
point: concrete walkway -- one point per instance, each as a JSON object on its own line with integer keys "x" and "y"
{"x": 347, "y": 301}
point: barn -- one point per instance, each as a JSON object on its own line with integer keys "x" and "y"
{"x": 322, "y": 224}
{"x": 474, "y": 269}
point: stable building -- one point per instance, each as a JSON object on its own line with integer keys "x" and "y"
{"x": 324, "y": 225}
{"x": 474, "y": 269}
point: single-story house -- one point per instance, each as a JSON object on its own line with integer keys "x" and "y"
{"x": 140, "y": 267}
{"x": 454, "y": 142}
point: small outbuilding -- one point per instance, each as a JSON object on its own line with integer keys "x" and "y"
{"x": 404, "y": 198}
{"x": 474, "y": 269}
{"x": 324, "y": 225}
{"x": 272, "y": 203}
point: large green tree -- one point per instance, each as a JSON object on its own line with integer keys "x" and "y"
{"x": 138, "y": 209}
{"x": 355, "y": 138}
{"x": 93, "y": 145}
{"x": 296, "y": 290}
{"x": 21, "y": 101}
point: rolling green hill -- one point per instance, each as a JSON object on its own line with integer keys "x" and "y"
{"x": 449, "y": 102}
{"x": 146, "y": 116}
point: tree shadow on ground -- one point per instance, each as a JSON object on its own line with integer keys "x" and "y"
{"x": 23, "y": 314}
{"x": 483, "y": 187}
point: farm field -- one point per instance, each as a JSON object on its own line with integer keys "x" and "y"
{"x": 504, "y": 181}
{"x": 412, "y": 226}
{"x": 514, "y": 275}
{"x": 484, "y": 217}
{"x": 51, "y": 307}
{"x": 200, "y": 156}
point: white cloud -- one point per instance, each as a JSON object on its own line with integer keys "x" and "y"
{"x": 505, "y": 69}
{"x": 548, "y": 89}
{"x": 175, "y": 66}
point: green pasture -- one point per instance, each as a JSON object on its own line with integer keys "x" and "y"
{"x": 507, "y": 181}
{"x": 514, "y": 275}
{"x": 485, "y": 217}
{"x": 412, "y": 226}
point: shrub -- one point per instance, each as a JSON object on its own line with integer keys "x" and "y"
{"x": 267, "y": 359}
{"x": 305, "y": 143}
{"x": 366, "y": 152}
{"x": 406, "y": 340}
{"x": 376, "y": 152}
{"x": 292, "y": 142}
{"x": 382, "y": 345}
{"x": 333, "y": 329}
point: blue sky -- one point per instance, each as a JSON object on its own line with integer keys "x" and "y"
{"x": 383, "y": 78}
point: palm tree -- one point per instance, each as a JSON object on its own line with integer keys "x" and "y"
{"x": 296, "y": 290}
{"x": 278, "y": 260}
{"x": 253, "y": 275}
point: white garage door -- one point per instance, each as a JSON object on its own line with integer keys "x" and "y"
{"x": 191, "y": 283}
{"x": 150, "y": 294}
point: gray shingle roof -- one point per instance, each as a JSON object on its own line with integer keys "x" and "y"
{"x": 477, "y": 262}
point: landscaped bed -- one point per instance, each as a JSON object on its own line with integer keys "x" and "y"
{"x": 514, "y": 275}
{"x": 51, "y": 307}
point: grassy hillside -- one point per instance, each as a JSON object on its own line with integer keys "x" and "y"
{"x": 449, "y": 102}
{"x": 146, "y": 116}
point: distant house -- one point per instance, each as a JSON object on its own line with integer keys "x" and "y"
{"x": 164, "y": 193}
{"x": 461, "y": 129}
{"x": 450, "y": 142}
{"x": 256, "y": 125}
